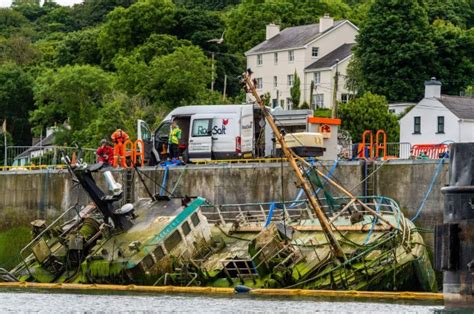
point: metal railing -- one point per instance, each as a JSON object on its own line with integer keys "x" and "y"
{"x": 256, "y": 214}
{"x": 395, "y": 150}
{"x": 32, "y": 156}
{"x": 51, "y": 245}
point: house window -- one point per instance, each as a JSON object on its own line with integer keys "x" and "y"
{"x": 291, "y": 56}
{"x": 259, "y": 83}
{"x": 345, "y": 98}
{"x": 318, "y": 101}
{"x": 317, "y": 78}
{"x": 275, "y": 81}
{"x": 289, "y": 104}
{"x": 259, "y": 59}
{"x": 417, "y": 125}
{"x": 314, "y": 52}
{"x": 441, "y": 124}
{"x": 290, "y": 80}
{"x": 274, "y": 103}
{"x": 275, "y": 58}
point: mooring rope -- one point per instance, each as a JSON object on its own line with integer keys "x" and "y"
{"x": 430, "y": 188}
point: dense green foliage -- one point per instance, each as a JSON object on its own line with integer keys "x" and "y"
{"x": 102, "y": 64}
{"x": 16, "y": 100}
{"x": 295, "y": 91}
{"x": 369, "y": 112}
{"x": 402, "y": 43}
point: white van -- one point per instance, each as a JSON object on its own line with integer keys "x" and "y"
{"x": 208, "y": 132}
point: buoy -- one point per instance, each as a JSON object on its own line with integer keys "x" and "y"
{"x": 242, "y": 289}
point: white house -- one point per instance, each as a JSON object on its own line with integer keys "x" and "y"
{"x": 316, "y": 52}
{"x": 438, "y": 118}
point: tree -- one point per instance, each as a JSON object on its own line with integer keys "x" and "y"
{"x": 118, "y": 111}
{"x": 128, "y": 28}
{"x": 454, "y": 63}
{"x": 369, "y": 112}
{"x": 216, "y": 5}
{"x": 199, "y": 27}
{"x": 178, "y": 78}
{"x": 394, "y": 49}
{"x": 18, "y": 50}
{"x": 246, "y": 22}
{"x": 133, "y": 70}
{"x": 16, "y": 100}
{"x": 14, "y": 23}
{"x": 92, "y": 12}
{"x": 457, "y": 12}
{"x": 295, "y": 91}
{"x": 57, "y": 20}
{"x": 79, "y": 47}
{"x": 72, "y": 93}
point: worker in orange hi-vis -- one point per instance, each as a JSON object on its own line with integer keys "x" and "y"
{"x": 119, "y": 137}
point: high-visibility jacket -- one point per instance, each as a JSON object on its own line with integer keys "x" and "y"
{"x": 175, "y": 135}
{"x": 119, "y": 136}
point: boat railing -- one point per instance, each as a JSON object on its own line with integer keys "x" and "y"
{"x": 41, "y": 247}
{"x": 258, "y": 213}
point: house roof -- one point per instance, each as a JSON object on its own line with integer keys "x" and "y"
{"x": 461, "y": 107}
{"x": 329, "y": 60}
{"x": 292, "y": 37}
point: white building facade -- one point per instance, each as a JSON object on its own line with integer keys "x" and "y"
{"x": 438, "y": 118}
{"x": 315, "y": 52}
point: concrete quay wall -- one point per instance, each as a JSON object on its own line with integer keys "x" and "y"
{"x": 25, "y": 196}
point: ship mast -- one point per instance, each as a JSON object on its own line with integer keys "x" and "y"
{"x": 301, "y": 181}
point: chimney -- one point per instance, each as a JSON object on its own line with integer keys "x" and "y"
{"x": 272, "y": 30}
{"x": 325, "y": 22}
{"x": 432, "y": 88}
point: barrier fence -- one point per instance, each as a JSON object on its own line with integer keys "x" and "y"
{"x": 37, "y": 156}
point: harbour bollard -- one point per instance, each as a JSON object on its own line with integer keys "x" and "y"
{"x": 454, "y": 239}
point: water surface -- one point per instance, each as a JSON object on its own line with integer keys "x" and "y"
{"x": 14, "y": 301}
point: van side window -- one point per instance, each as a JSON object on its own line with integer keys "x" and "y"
{"x": 202, "y": 127}
{"x": 163, "y": 130}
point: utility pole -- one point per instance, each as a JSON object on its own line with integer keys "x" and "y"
{"x": 212, "y": 70}
{"x": 225, "y": 87}
{"x": 334, "y": 94}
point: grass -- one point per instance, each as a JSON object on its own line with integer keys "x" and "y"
{"x": 11, "y": 242}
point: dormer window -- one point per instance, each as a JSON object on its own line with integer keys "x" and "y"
{"x": 291, "y": 56}
{"x": 259, "y": 59}
{"x": 315, "y": 52}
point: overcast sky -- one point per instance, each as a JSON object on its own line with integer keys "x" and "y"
{"x": 7, "y": 3}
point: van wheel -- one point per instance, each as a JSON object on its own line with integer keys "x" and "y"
{"x": 186, "y": 156}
